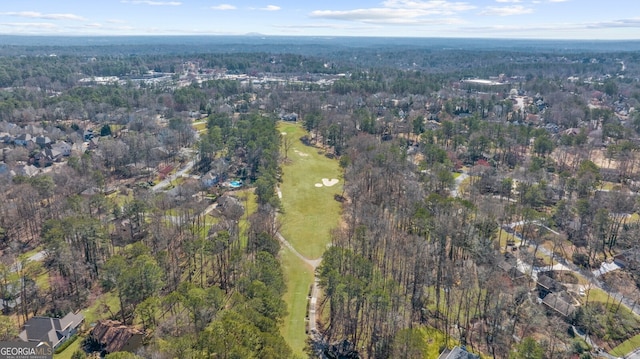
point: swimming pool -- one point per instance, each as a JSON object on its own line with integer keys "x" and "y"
{"x": 235, "y": 184}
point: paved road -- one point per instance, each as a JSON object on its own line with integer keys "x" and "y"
{"x": 167, "y": 181}
{"x": 458, "y": 181}
{"x": 633, "y": 355}
{"x": 37, "y": 257}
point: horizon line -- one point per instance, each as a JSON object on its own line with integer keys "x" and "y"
{"x": 316, "y": 36}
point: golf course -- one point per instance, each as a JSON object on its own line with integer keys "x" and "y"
{"x": 310, "y": 181}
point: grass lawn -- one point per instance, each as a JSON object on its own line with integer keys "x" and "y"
{"x": 310, "y": 212}
{"x": 626, "y": 347}
{"x": 598, "y": 295}
{"x": 118, "y": 199}
{"x": 634, "y": 218}
{"x": 98, "y": 310}
{"x": 42, "y": 279}
{"x": 72, "y": 348}
{"x": 504, "y": 236}
{"x": 299, "y": 278}
{"x": 434, "y": 339}
{"x": 248, "y": 199}
{"x": 610, "y": 186}
{"x": 200, "y": 126}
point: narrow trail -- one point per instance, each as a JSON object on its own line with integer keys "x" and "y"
{"x": 314, "y": 263}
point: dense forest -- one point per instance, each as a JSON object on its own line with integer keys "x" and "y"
{"x": 481, "y": 187}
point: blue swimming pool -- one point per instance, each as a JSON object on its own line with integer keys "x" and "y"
{"x": 235, "y": 184}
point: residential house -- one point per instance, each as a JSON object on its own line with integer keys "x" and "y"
{"x": 290, "y": 117}
{"x": 34, "y": 130}
{"x": 22, "y": 140}
{"x": 626, "y": 259}
{"x": 457, "y": 353}
{"x": 546, "y": 285}
{"x": 509, "y": 265}
{"x": 25, "y": 170}
{"x": 42, "y": 141}
{"x": 63, "y": 147}
{"x": 159, "y": 153}
{"x": 47, "y": 157}
{"x": 560, "y": 303}
{"x": 209, "y": 179}
{"x": 230, "y": 206}
{"x": 218, "y": 172}
{"x": 5, "y": 137}
{"x": 54, "y": 330}
{"x": 113, "y": 336}
{"x": 93, "y": 143}
{"x": 88, "y": 135}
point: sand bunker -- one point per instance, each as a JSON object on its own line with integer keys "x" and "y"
{"x": 283, "y": 133}
{"x": 329, "y": 182}
{"x": 301, "y": 154}
{"x": 318, "y": 185}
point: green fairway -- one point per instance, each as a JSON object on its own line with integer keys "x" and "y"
{"x": 310, "y": 212}
{"x": 299, "y": 277}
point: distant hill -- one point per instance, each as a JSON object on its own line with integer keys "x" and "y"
{"x": 304, "y": 45}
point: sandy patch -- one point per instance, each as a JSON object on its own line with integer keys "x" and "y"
{"x": 329, "y": 182}
{"x": 318, "y": 185}
{"x": 301, "y": 154}
{"x": 283, "y": 133}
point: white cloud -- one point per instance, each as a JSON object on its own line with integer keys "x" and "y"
{"x": 509, "y": 1}
{"x": 432, "y": 7}
{"x": 506, "y": 10}
{"x": 39, "y": 15}
{"x": 34, "y": 28}
{"x": 151, "y": 2}
{"x": 34, "y": 25}
{"x": 398, "y": 12}
{"x": 633, "y": 22}
{"x": 621, "y": 23}
{"x": 223, "y": 7}
{"x": 558, "y": 0}
{"x": 271, "y": 8}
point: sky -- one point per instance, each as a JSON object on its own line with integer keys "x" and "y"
{"x": 536, "y": 19}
